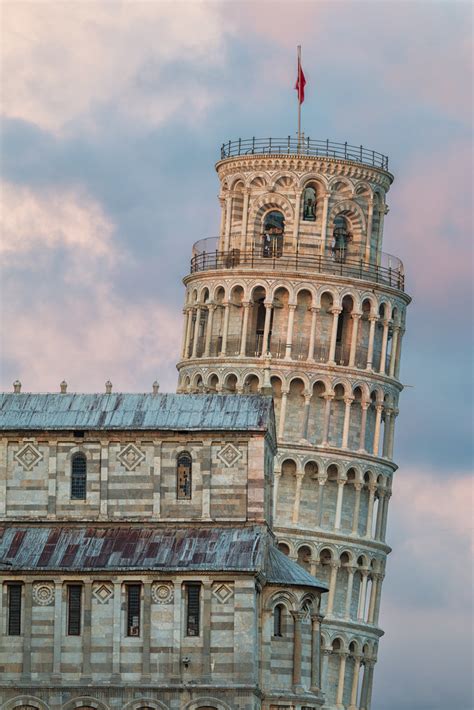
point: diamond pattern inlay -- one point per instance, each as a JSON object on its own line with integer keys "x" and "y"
{"x": 28, "y": 456}
{"x": 131, "y": 457}
{"x": 222, "y": 592}
{"x": 102, "y": 591}
{"x": 229, "y": 455}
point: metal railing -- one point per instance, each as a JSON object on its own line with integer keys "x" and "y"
{"x": 388, "y": 272}
{"x": 305, "y": 146}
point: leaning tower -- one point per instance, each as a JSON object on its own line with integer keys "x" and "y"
{"x": 295, "y": 297}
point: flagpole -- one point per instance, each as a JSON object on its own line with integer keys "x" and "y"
{"x": 299, "y": 102}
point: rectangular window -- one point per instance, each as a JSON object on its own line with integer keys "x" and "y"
{"x": 74, "y": 593}
{"x": 193, "y": 609}
{"x": 133, "y": 609}
{"x": 14, "y": 609}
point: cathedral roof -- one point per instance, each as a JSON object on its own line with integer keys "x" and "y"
{"x": 211, "y": 412}
{"x": 149, "y": 548}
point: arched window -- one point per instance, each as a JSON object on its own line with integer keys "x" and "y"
{"x": 278, "y": 620}
{"x": 273, "y": 231}
{"x": 78, "y": 477}
{"x": 183, "y": 476}
{"x": 309, "y": 204}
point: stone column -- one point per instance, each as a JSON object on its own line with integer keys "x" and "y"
{"x": 378, "y": 419}
{"x": 340, "y": 492}
{"x": 385, "y": 515}
{"x": 327, "y": 416}
{"x": 296, "y": 224}
{"x": 368, "y": 238}
{"x": 320, "y": 504}
{"x": 373, "y": 597}
{"x": 383, "y": 354}
{"x": 378, "y": 522}
{"x": 266, "y": 328}
{"x": 281, "y": 423}
{"x": 324, "y": 224}
{"x": 378, "y": 599}
{"x": 196, "y": 331}
{"x": 296, "y": 507}
{"x": 245, "y": 325}
{"x": 225, "y": 330}
{"x": 364, "y": 694}
{"x": 188, "y": 332}
{"x": 340, "y": 681}
{"x": 206, "y": 630}
{"x": 307, "y": 404}
{"x": 355, "y": 683}
{"x": 26, "y": 624}
{"x": 312, "y": 335}
{"x": 117, "y": 630}
{"x": 386, "y": 436}
{"x": 332, "y": 346}
{"x": 370, "y": 683}
{"x": 332, "y": 587}
{"x": 393, "y": 354}
{"x": 228, "y": 216}
{"x": 370, "y": 509}
{"x": 58, "y": 605}
{"x": 363, "y": 424}
{"x": 276, "y": 483}
{"x": 87, "y": 630}
{"x": 362, "y": 594}
{"x": 289, "y": 331}
{"x": 391, "y": 434}
{"x": 350, "y": 585}
{"x": 347, "y": 421}
{"x": 370, "y": 350}
{"x": 316, "y": 620}
{"x": 245, "y": 210}
{"x": 355, "y": 329}
{"x": 297, "y": 617}
{"x": 399, "y": 353}
{"x": 355, "y": 518}
{"x": 185, "y": 331}
{"x": 210, "y": 317}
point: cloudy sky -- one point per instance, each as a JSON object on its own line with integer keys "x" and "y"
{"x": 113, "y": 113}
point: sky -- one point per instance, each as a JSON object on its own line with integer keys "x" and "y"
{"x": 113, "y": 115}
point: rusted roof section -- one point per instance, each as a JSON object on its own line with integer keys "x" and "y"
{"x": 211, "y": 412}
{"x": 279, "y": 569}
{"x": 132, "y": 548}
{"x": 135, "y": 549}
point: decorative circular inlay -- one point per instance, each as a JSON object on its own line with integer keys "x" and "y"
{"x": 43, "y": 593}
{"x": 162, "y": 593}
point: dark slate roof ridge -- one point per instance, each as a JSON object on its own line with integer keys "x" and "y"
{"x": 135, "y": 411}
{"x": 279, "y": 569}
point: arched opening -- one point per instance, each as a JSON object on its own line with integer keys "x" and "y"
{"x": 330, "y": 497}
{"x": 217, "y": 322}
{"x": 338, "y": 409}
{"x": 278, "y": 613}
{"x": 309, "y": 202}
{"x": 234, "y": 328}
{"x": 184, "y": 476}
{"x": 302, "y": 326}
{"x": 286, "y": 491}
{"x": 78, "y": 477}
{"x": 276, "y": 392}
{"x": 317, "y": 410}
{"x": 309, "y": 495}
{"x": 230, "y": 384}
{"x": 341, "y": 236}
{"x": 251, "y": 384}
{"x": 295, "y": 410}
{"x": 304, "y": 557}
{"x": 273, "y": 234}
{"x": 257, "y": 329}
{"x": 344, "y": 331}
{"x": 325, "y": 319}
{"x": 213, "y": 383}
{"x": 279, "y": 323}
{"x": 283, "y": 547}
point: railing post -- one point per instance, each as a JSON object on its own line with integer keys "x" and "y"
{"x": 373, "y": 157}
{"x": 253, "y": 145}
{"x": 229, "y": 149}
{"x": 269, "y": 145}
{"x": 217, "y": 259}
{"x": 361, "y": 154}
{"x": 327, "y": 147}
{"x": 289, "y": 140}
{"x": 223, "y": 150}
{"x": 360, "y": 269}
{"x": 240, "y": 142}
{"x": 307, "y": 146}
{"x": 345, "y": 150}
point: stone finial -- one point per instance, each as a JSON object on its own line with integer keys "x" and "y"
{"x": 17, "y": 386}
{"x": 63, "y": 387}
{"x": 156, "y": 387}
{"x": 108, "y": 387}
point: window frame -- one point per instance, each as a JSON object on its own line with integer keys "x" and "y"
{"x": 278, "y": 611}
{"x": 78, "y": 478}
{"x": 17, "y": 622}
{"x": 192, "y": 617}
{"x": 74, "y": 626}
{"x": 188, "y": 491}
{"x": 130, "y": 633}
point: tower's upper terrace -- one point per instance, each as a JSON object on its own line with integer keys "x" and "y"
{"x": 306, "y": 206}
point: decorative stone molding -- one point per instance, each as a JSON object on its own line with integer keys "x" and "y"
{"x": 131, "y": 457}
{"x": 162, "y": 592}
{"x": 43, "y": 593}
{"x": 28, "y": 456}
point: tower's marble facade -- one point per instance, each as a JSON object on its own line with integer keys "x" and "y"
{"x": 296, "y": 297}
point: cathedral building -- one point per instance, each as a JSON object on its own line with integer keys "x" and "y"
{"x": 295, "y": 297}
{"x": 222, "y": 548}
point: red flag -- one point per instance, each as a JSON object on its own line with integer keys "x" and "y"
{"x": 300, "y": 82}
